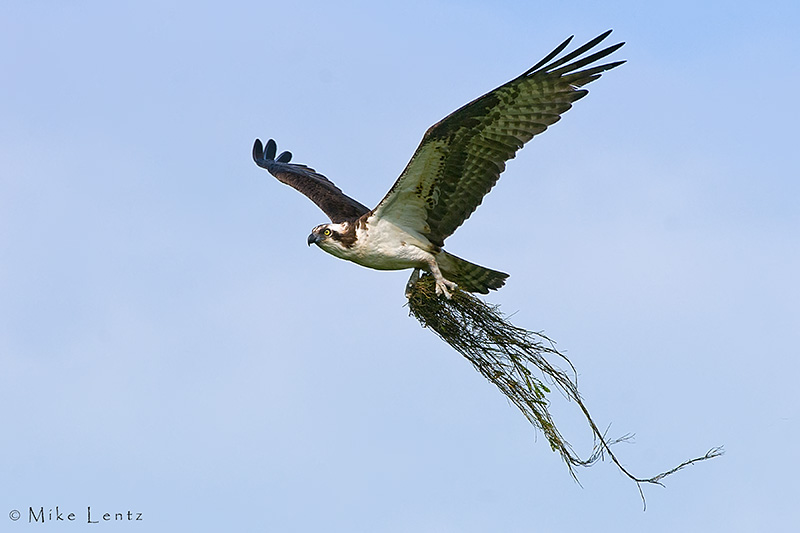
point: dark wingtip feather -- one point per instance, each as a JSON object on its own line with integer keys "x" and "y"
{"x": 614, "y": 47}
{"x": 269, "y": 152}
{"x": 604, "y": 35}
{"x": 263, "y": 154}
{"x": 258, "y": 151}
{"x": 556, "y": 67}
{"x": 549, "y": 57}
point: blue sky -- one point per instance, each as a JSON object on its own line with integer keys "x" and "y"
{"x": 171, "y": 346}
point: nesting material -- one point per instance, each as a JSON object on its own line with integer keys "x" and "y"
{"x": 521, "y": 363}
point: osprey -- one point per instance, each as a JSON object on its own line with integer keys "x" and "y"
{"x": 457, "y": 163}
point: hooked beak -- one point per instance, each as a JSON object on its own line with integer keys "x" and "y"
{"x": 312, "y": 239}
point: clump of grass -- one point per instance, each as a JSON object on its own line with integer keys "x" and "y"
{"x": 506, "y": 354}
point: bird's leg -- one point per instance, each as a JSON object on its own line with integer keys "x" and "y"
{"x": 411, "y": 282}
{"x": 443, "y": 286}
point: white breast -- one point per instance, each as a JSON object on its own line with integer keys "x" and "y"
{"x": 383, "y": 245}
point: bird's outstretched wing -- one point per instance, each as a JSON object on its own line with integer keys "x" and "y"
{"x": 338, "y": 206}
{"x": 461, "y": 157}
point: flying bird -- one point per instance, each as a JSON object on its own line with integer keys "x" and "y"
{"x": 457, "y": 163}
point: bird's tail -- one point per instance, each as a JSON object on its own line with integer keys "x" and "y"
{"x": 469, "y": 276}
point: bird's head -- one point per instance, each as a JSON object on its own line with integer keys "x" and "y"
{"x": 333, "y": 238}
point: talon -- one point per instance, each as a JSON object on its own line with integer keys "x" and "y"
{"x": 443, "y": 286}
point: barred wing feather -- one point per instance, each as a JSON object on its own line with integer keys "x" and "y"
{"x": 461, "y": 157}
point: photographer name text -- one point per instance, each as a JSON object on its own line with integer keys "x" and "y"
{"x": 91, "y": 516}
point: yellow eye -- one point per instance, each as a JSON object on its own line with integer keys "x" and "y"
{"x": 327, "y": 232}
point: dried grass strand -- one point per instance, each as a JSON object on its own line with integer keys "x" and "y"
{"x": 504, "y": 354}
